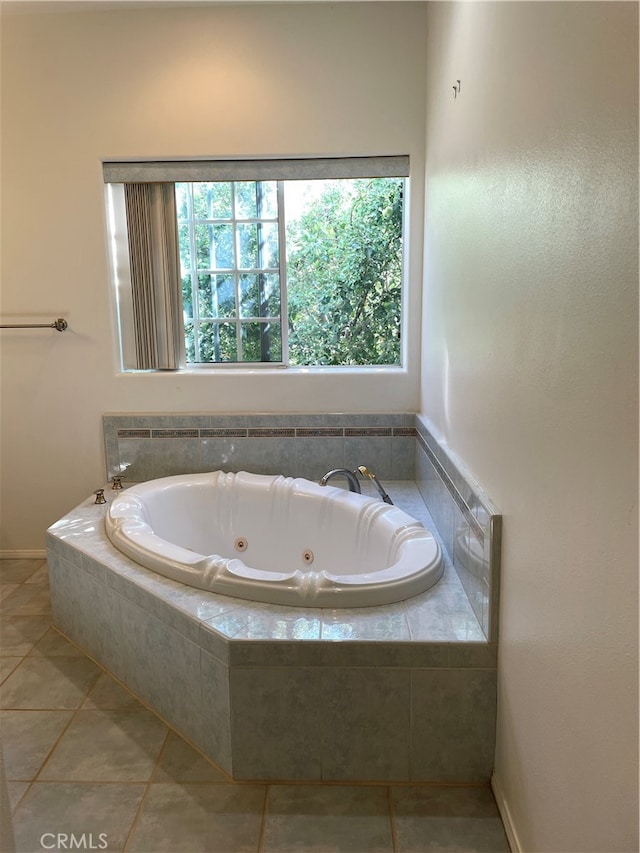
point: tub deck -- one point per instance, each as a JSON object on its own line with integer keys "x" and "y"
{"x": 397, "y": 692}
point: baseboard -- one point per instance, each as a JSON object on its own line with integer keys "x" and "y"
{"x": 505, "y": 814}
{"x": 23, "y": 555}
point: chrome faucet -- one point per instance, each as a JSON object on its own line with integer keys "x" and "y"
{"x": 351, "y": 477}
{"x": 367, "y": 473}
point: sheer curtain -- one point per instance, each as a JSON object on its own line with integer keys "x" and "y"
{"x": 155, "y": 275}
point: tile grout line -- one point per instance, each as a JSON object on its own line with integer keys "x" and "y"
{"x": 178, "y": 734}
{"x": 71, "y": 718}
{"x": 147, "y": 786}
{"x": 392, "y": 820}
{"x": 412, "y": 678}
{"x": 34, "y": 644}
{"x": 151, "y": 710}
{"x": 65, "y": 729}
{"x": 23, "y": 795}
{"x": 31, "y": 782}
{"x": 146, "y": 792}
{"x": 265, "y": 815}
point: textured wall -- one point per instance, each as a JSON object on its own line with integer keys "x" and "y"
{"x": 530, "y": 376}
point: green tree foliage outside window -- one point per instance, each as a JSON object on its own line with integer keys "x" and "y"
{"x": 343, "y": 271}
{"x": 344, "y": 275}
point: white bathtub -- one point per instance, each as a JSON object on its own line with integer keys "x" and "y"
{"x": 275, "y": 539}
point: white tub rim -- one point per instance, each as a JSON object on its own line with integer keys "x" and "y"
{"x": 420, "y": 567}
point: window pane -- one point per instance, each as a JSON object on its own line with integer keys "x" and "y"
{"x": 268, "y": 237}
{"x": 214, "y": 247}
{"x": 261, "y": 342}
{"x": 185, "y": 247}
{"x": 203, "y": 246}
{"x": 212, "y": 200}
{"x": 182, "y": 201}
{"x": 246, "y": 207}
{"x": 260, "y": 295}
{"x": 205, "y": 296}
{"x": 269, "y": 200}
{"x": 216, "y": 296}
{"x": 187, "y": 297}
{"x": 223, "y": 294}
{"x": 258, "y": 245}
{"x": 344, "y": 271}
{"x": 218, "y": 342}
{"x": 256, "y": 200}
{"x": 248, "y": 246}
{"x": 189, "y": 343}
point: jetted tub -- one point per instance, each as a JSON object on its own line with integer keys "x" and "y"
{"x": 275, "y": 539}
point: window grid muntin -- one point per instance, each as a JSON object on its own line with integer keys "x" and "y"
{"x": 198, "y": 320}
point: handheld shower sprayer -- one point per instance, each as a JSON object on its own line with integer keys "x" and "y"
{"x": 371, "y": 476}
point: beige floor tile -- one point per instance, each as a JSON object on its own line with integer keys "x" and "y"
{"x": 107, "y": 695}
{"x": 50, "y": 683}
{"x": 434, "y": 819}
{"x": 18, "y": 571}
{"x": 17, "y": 791}
{"x": 54, "y": 644}
{"x": 27, "y": 738}
{"x": 6, "y": 589}
{"x": 179, "y": 762}
{"x": 19, "y": 634}
{"x": 7, "y": 665}
{"x": 27, "y": 600}
{"x": 199, "y": 818}
{"x": 102, "y": 813}
{"x": 107, "y": 746}
{"x": 311, "y": 818}
{"x": 40, "y": 576}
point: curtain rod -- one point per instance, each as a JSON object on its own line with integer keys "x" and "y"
{"x": 60, "y": 325}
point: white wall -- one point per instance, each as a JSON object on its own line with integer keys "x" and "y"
{"x": 227, "y": 80}
{"x": 530, "y": 371}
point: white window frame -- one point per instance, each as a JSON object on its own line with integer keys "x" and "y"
{"x": 120, "y": 172}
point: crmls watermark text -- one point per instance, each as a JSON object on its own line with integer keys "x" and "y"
{"x": 70, "y": 841}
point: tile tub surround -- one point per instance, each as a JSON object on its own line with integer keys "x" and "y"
{"x": 469, "y": 524}
{"x": 398, "y": 446}
{"x": 399, "y": 693}
{"x": 144, "y": 447}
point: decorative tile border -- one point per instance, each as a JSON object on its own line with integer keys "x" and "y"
{"x": 134, "y": 433}
{"x": 370, "y": 431}
{"x": 219, "y": 433}
{"x": 467, "y": 520}
{"x": 175, "y": 433}
{"x": 271, "y": 433}
{"x": 455, "y": 494}
{"x": 319, "y": 432}
{"x": 268, "y": 432}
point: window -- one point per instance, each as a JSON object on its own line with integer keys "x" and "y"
{"x": 230, "y": 270}
{"x": 288, "y": 263}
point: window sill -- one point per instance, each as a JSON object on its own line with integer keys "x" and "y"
{"x": 271, "y": 370}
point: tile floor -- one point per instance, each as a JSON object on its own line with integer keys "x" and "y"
{"x": 83, "y": 756}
